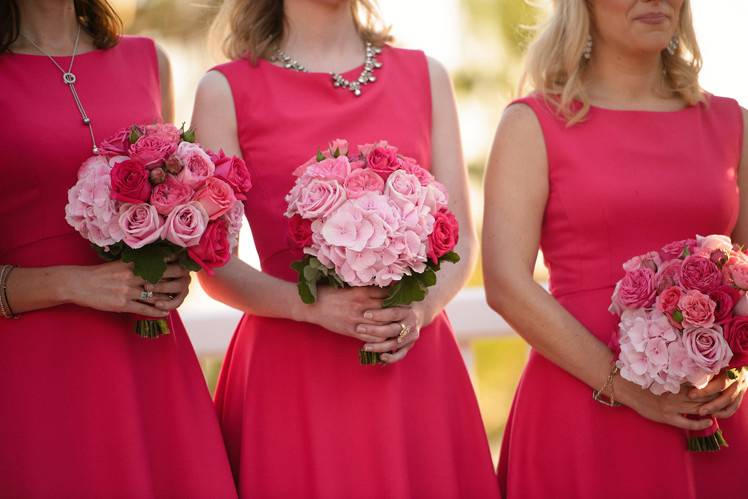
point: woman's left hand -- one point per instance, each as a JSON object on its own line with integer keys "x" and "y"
{"x": 172, "y": 289}
{"x": 722, "y": 396}
{"x": 394, "y": 322}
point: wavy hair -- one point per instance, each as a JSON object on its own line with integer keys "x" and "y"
{"x": 555, "y": 65}
{"x": 254, "y": 28}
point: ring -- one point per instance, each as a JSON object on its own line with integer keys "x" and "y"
{"x": 404, "y": 331}
{"x": 146, "y": 295}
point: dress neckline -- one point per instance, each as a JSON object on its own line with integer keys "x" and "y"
{"x": 353, "y": 72}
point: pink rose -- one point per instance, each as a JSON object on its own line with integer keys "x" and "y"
{"x": 173, "y": 165}
{"x": 383, "y": 161}
{"x": 741, "y": 308}
{"x": 649, "y": 260}
{"x": 676, "y": 249}
{"x": 233, "y": 170}
{"x": 403, "y": 188}
{"x": 152, "y": 150}
{"x": 172, "y": 193}
{"x": 157, "y": 176}
{"x": 300, "y": 231}
{"x": 361, "y": 181}
{"x": 636, "y": 289}
{"x": 445, "y": 235}
{"x": 725, "y": 297}
{"x": 116, "y": 145}
{"x": 338, "y": 145}
{"x": 130, "y": 182}
{"x": 140, "y": 224}
{"x": 320, "y": 198}
{"x": 667, "y": 301}
{"x": 216, "y": 196}
{"x": 235, "y": 219}
{"x": 196, "y": 162}
{"x": 697, "y": 309}
{"x": 185, "y": 224}
{"x": 365, "y": 149}
{"x": 707, "y": 348}
{"x": 669, "y": 274}
{"x": 214, "y": 249}
{"x": 714, "y": 242}
{"x": 738, "y": 273}
{"x": 700, "y": 273}
{"x": 165, "y": 130}
{"x": 330, "y": 169}
{"x": 423, "y": 175}
{"x": 736, "y": 335}
{"x": 719, "y": 257}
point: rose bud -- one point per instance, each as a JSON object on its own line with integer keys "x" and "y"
{"x": 173, "y": 165}
{"x": 157, "y": 176}
{"x": 719, "y": 258}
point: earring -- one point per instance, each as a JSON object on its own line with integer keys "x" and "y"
{"x": 587, "y": 53}
{"x": 672, "y": 46}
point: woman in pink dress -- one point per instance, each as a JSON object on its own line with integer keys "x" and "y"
{"x": 89, "y": 409}
{"x": 617, "y": 153}
{"x": 301, "y": 418}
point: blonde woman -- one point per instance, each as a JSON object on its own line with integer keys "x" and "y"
{"x": 301, "y": 418}
{"x": 616, "y": 152}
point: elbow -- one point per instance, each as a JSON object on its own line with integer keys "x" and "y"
{"x": 498, "y": 288}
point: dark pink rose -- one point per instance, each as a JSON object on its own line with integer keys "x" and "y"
{"x": 697, "y": 309}
{"x": 216, "y": 196}
{"x": 116, "y": 145}
{"x": 383, "y": 161}
{"x": 445, "y": 235}
{"x": 130, "y": 182}
{"x": 707, "y": 348}
{"x": 667, "y": 300}
{"x": 300, "y": 231}
{"x": 233, "y": 171}
{"x": 166, "y": 130}
{"x": 719, "y": 257}
{"x": 700, "y": 273}
{"x": 172, "y": 193}
{"x": 152, "y": 150}
{"x": 636, "y": 289}
{"x": 725, "y": 297}
{"x": 214, "y": 249}
{"x": 736, "y": 335}
{"x": 675, "y": 249}
{"x": 196, "y": 162}
{"x": 669, "y": 274}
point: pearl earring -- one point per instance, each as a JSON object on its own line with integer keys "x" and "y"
{"x": 587, "y": 53}
{"x": 672, "y": 46}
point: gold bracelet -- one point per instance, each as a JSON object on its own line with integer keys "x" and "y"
{"x": 5, "y": 310}
{"x": 599, "y": 395}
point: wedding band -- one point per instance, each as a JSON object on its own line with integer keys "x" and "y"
{"x": 146, "y": 295}
{"x": 404, "y": 331}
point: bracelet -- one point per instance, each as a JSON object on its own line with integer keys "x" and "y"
{"x": 599, "y": 395}
{"x": 5, "y": 310}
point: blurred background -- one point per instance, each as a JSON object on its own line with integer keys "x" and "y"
{"x": 481, "y": 42}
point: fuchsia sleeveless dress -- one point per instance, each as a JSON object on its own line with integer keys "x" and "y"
{"x": 301, "y": 418}
{"x": 621, "y": 183}
{"x": 89, "y": 409}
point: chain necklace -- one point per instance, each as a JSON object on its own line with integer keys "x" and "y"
{"x": 367, "y": 74}
{"x": 69, "y": 79}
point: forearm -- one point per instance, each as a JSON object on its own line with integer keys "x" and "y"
{"x": 245, "y": 288}
{"x": 37, "y": 288}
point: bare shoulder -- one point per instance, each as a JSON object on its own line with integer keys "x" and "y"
{"x": 520, "y": 121}
{"x": 164, "y": 65}
{"x": 214, "y": 89}
{"x": 438, "y": 76}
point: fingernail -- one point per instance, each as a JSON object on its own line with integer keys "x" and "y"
{"x": 361, "y": 329}
{"x": 367, "y": 315}
{"x": 367, "y": 348}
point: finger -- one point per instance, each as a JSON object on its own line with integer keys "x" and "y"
{"x": 168, "y": 302}
{"x": 704, "y": 400}
{"x": 137, "y": 294}
{"x": 720, "y": 403}
{"x": 135, "y": 307}
{"x": 377, "y": 293}
{"x": 171, "y": 287}
{"x": 728, "y": 411}
{"x": 392, "y": 314}
{"x": 716, "y": 385}
{"x": 689, "y": 424}
{"x": 175, "y": 271}
{"x": 379, "y": 332}
{"x": 382, "y": 346}
{"x": 391, "y": 358}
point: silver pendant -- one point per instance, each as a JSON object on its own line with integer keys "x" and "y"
{"x": 69, "y": 78}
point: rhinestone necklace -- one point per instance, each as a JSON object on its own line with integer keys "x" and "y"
{"x": 69, "y": 79}
{"x": 367, "y": 74}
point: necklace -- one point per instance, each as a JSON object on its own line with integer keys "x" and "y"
{"x": 69, "y": 79}
{"x": 367, "y": 74}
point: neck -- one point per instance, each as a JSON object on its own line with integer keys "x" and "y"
{"x": 619, "y": 78}
{"x": 322, "y": 36}
{"x": 51, "y": 24}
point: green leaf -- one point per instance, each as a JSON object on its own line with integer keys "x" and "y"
{"x": 451, "y": 257}
{"x": 320, "y": 156}
{"x": 405, "y": 292}
{"x": 114, "y": 253}
{"x": 311, "y": 274}
{"x": 427, "y": 277}
{"x": 307, "y": 292}
{"x": 149, "y": 261}
{"x": 135, "y": 134}
{"x": 189, "y": 135}
{"x": 685, "y": 253}
{"x": 678, "y": 316}
{"x": 336, "y": 153}
{"x": 188, "y": 263}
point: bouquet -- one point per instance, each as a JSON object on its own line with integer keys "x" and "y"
{"x": 373, "y": 218}
{"x": 153, "y": 196}
{"x": 683, "y": 319}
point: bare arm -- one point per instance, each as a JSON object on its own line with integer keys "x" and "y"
{"x": 167, "y": 86}
{"x": 516, "y": 188}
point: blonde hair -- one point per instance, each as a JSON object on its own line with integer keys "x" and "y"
{"x": 555, "y": 64}
{"x": 254, "y": 28}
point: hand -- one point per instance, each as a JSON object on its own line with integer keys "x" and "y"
{"x": 341, "y": 310}
{"x": 722, "y": 397}
{"x": 111, "y": 287}
{"x": 668, "y": 408}
{"x": 172, "y": 289}
{"x": 390, "y": 344}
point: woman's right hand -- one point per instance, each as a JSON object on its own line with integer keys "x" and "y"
{"x": 341, "y": 310}
{"x": 668, "y": 408}
{"x": 110, "y": 287}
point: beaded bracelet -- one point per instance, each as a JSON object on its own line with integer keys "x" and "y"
{"x": 5, "y": 310}
{"x": 599, "y": 395}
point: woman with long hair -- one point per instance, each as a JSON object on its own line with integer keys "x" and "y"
{"x": 300, "y": 416}
{"x": 89, "y": 409}
{"x": 615, "y": 152}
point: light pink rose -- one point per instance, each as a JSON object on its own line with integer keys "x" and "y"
{"x": 216, "y": 196}
{"x": 197, "y": 166}
{"x": 361, "y": 181}
{"x": 738, "y": 273}
{"x": 697, "y": 309}
{"x": 366, "y": 149}
{"x": 140, "y": 224}
{"x": 338, "y": 145}
{"x": 435, "y": 197}
{"x": 403, "y": 188}
{"x": 330, "y": 169}
{"x": 90, "y": 209}
{"x": 714, "y": 242}
{"x": 235, "y": 219}
{"x": 649, "y": 261}
{"x": 668, "y": 274}
{"x": 320, "y": 198}
{"x": 170, "y": 194}
{"x": 636, "y": 289}
{"x": 741, "y": 308}
{"x": 667, "y": 301}
{"x": 424, "y": 176}
{"x": 707, "y": 348}
{"x": 186, "y": 224}
{"x": 700, "y": 273}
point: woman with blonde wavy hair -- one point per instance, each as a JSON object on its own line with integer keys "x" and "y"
{"x": 615, "y": 152}
{"x": 301, "y": 417}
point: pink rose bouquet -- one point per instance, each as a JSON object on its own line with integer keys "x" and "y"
{"x": 682, "y": 319}
{"x": 370, "y": 218}
{"x": 153, "y": 196}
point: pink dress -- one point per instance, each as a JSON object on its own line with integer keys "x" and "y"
{"x": 621, "y": 183}
{"x": 301, "y": 418}
{"x": 89, "y": 409}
